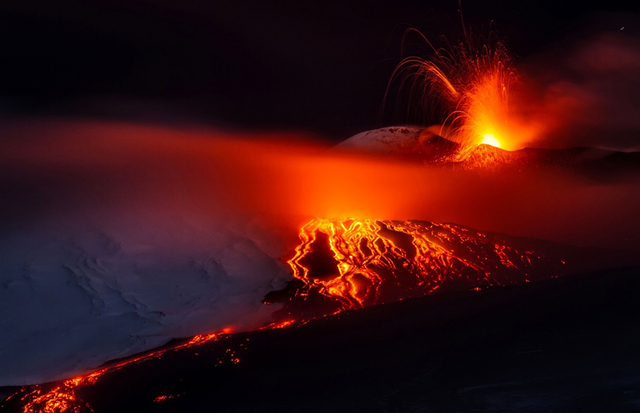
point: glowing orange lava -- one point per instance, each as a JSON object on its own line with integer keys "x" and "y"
{"x": 62, "y": 398}
{"x": 470, "y": 84}
{"x": 381, "y": 261}
{"x": 346, "y": 264}
{"x": 489, "y": 139}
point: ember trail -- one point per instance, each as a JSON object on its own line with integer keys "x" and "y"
{"x": 345, "y": 264}
{"x": 466, "y": 89}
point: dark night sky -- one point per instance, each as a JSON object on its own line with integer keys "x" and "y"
{"x": 319, "y": 66}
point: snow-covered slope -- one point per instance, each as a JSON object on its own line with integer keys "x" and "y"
{"x": 75, "y": 295}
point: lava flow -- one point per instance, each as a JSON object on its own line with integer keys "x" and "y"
{"x": 61, "y": 397}
{"x": 344, "y": 264}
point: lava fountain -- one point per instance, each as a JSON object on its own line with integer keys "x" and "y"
{"x": 467, "y": 88}
{"x": 343, "y": 264}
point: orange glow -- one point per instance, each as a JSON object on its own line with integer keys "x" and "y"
{"x": 63, "y": 398}
{"x": 489, "y": 139}
{"x": 206, "y": 176}
{"x": 382, "y": 261}
{"x": 283, "y": 324}
{"x": 472, "y": 84}
{"x": 203, "y": 175}
{"x": 376, "y": 262}
{"x": 162, "y": 398}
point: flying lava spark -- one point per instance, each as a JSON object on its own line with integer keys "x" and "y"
{"x": 467, "y": 89}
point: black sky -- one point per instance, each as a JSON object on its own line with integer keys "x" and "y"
{"x": 318, "y": 66}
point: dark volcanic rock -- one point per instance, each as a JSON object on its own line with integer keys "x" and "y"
{"x": 425, "y": 146}
{"x": 561, "y": 345}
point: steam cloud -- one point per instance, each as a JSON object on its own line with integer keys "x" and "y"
{"x": 588, "y": 93}
{"x": 117, "y": 237}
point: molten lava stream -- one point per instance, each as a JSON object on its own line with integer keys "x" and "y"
{"x": 343, "y": 264}
{"x": 61, "y": 397}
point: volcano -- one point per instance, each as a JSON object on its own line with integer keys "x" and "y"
{"x": 213, "y": 270}
{"x": 181, "y": 230}
{"x": 374, "y": 270}
{"x": 424, "y": 145}
{"x": 340, "y": 266}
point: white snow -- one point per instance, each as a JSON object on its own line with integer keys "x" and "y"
{"x": 75, "y": 295}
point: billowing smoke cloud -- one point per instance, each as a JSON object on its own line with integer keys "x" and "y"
{"x": 116, "y": 237}
{"x": 588, "y": 92}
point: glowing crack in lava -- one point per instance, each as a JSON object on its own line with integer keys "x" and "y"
{"x": 345, "y": 264}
